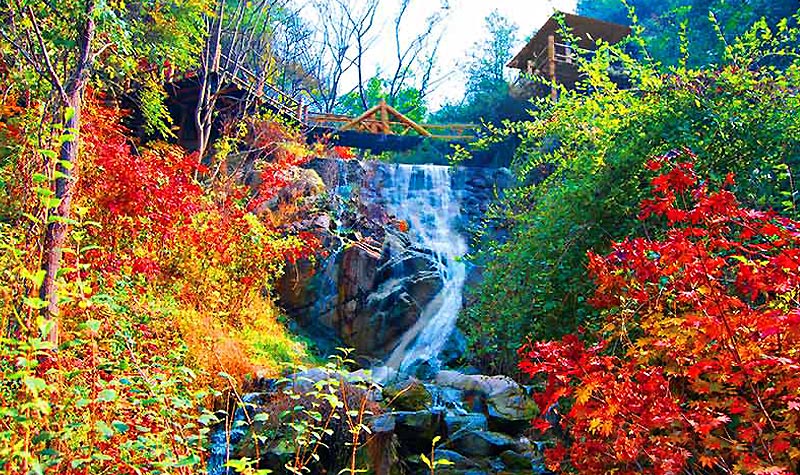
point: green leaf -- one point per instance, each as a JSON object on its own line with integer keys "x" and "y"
{"x": 120, "y": 426}
{"x": 189, "y": 461}
{"x": 82, "y": 402}
{"x": 426, "y": 460}
{"x": 35, "y": 385}
{"x": 79, "y": 462}
{"x": 104, "y": 429}
{"x": 69, "y": 113}
{"x": 49, "y": 154}
{"x": 64, "y": 138}
{"x": 261, "y": 417}
{"x": 35, "y": 303}
{"x": 107, "y": 395}
{"x": 208, "y": 419}
{"x": 93, "y": 325}
{"x": 51, "y": 203}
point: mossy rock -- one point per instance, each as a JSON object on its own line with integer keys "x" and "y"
{"x": 408, "y": 396}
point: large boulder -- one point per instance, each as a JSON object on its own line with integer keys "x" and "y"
{"x": 503, "y": 400}
{"x": 416, "y": 430}
{"x": 460, "y": 423}
{"x": 482, "y": 443}
{"x": 515, "y": 461}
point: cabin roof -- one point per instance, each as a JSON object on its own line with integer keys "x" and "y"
{"x": 586, "y": 29}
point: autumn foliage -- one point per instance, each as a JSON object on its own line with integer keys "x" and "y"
{"x": 696, "y": 368}
{"x": 164, "y": 298}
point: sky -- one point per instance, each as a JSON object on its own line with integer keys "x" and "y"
{"x": 464, "y": 25}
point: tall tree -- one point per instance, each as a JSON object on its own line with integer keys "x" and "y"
{"x": 66, "y": 70}
{"x": 62, "y": 49}
{"x": 414, "y": 60}
{"x": 346, "y": 35}
{"x": 487, "y": 81}
{"x": 239, "y": 46}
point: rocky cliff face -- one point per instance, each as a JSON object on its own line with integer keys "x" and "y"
{"x": 380, "y": 275}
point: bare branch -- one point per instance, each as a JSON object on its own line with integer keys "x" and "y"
{"x": 49, "y": 70}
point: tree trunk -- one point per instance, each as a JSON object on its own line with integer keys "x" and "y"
{"x": 56, "y": 234}
{"x": 57, "y": 226}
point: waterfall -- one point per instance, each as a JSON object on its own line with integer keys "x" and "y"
{"x": 422, "y": 197}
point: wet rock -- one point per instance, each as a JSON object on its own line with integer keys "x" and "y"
{"x": 416, "y": 430}
{"x": 457, "y": 424}
{"x": 454, "y": 349}
{"x": 408, "y": 396}
{"x": 514, "y": 461}
{"x": 459, "y": 461}
{"x": 385, "y": 422}
{"x": 506, "y": 402}
{"x": 422, "y": 369}
{"x": 482, "y": 443}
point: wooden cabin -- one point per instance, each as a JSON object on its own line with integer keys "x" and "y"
{"x": 552, "y": 56}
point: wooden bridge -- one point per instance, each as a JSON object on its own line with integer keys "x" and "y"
{"x": 382, "y": 119}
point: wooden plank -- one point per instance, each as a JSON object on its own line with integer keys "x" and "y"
{"x": 452, "y": 137}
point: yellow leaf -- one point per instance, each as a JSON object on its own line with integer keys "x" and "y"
{"x": 594, "y": 424}
{"x": 583, "y": 394}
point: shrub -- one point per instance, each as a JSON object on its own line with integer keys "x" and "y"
{"x": 695, "y": 366}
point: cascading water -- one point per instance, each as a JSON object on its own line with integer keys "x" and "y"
{"x": 423, "y": 197}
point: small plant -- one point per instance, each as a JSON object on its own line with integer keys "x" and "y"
{"x": 431, "y": 462}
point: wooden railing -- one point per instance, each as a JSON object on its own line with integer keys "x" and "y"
{"x": 245, "y": 79}
{"x": 385, "y": 119}
{"x": 380, "y": 119}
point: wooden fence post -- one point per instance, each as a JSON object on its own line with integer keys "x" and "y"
{"x": 551, "y": 61}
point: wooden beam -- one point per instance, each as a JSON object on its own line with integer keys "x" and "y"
{"x": 357, "y": 120}
{"x": 385, "y": 117}
{"x": 420, "y": 130}
{"x": 551, "y": 62}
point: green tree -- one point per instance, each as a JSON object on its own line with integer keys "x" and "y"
{"x": 706, "y": 24}
{"x": 407, "y": 100}
{"x": 487, "y": 80}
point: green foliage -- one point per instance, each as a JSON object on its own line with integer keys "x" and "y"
{"x": 487, "y": 95}
{"x": 104, "y": 401}
{"x": 157, "y": 120}
{"x": 709, "y": 25}
{"x": 317, "y": 419}
{"x": 407, "y": 100}
{"x": 738, "y": 118}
